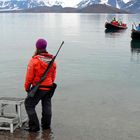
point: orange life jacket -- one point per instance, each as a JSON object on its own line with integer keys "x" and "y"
{"x": 36, "y": 67}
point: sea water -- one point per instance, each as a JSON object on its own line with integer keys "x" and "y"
{"x": 98, "y": 72}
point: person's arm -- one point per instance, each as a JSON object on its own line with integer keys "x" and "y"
{"x": 29, "y": 75}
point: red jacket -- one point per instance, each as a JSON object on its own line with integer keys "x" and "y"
{"x": 36, "y": 67}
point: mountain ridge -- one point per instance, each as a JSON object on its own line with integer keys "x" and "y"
{"x": 95, "y": 8}
{"x": 21, "y": 5}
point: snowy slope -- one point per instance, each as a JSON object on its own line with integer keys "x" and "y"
{"x": 25, "y": 4}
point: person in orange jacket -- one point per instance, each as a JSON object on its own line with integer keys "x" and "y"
{"x": 36, "y": 67}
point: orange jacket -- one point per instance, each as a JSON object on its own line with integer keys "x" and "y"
{"x": 36, "y": 67}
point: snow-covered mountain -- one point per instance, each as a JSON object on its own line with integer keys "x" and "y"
{"x": 114, "y": 3}
{"x": 129, "y": 5}
{"x": 25, "y": 4}
{"x": 132, "y": 5}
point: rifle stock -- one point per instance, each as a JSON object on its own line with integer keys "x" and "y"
{"x": 33, "y": 90}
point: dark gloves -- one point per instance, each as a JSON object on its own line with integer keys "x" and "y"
{"x": 27, "y": 90}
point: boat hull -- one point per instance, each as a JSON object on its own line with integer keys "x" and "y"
{"x": 115, "y": 27}
{"x": 135, "y": 34}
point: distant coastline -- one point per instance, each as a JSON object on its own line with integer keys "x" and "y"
{"x": 95, "y": 8}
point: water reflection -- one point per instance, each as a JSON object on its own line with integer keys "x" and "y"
{"x": 135, "y": 46}
{"x": 113, "y": 31}
{"x": 33, "y": 136}
{"x": 44, "y": 135}
{"x": 135, "y": 50}
{"x": 47, "y": 135}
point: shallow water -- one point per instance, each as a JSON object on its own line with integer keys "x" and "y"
{"x": 98, "y": 72}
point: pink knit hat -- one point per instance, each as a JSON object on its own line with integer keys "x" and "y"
{"x": 41, "y": 44}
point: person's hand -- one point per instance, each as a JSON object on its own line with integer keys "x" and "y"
{"x": 27, "y": 90}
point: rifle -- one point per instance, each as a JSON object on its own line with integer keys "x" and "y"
{"x": 33, "y": 90}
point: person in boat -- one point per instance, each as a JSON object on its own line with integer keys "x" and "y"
{"x": 36, "y": 67}
{"x": 114, "y": 21}
{"x": 120, "y": 23}
{"x": 138, "y": 28}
